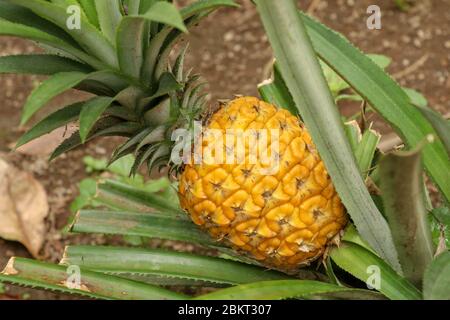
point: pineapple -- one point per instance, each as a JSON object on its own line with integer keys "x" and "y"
{"x": 284, "y": 219}
{"x": 121, "y": 55}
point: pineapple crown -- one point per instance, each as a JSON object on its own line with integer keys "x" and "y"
{"x": 120, "y": 52}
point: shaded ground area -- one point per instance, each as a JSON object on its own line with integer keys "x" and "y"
{"x": 231, "y": 51}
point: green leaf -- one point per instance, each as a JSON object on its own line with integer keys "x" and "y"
{"x": 166, "y": 13}
{"x": 17, "y": 30}
{"x": 275, "y": 92}
{"x": 145, "y": 5}
{"x": 365, "y": 151}
{"x": 135, "y": 198}
{"x": 42, "y": 64}
{"x": 403, "y": 200}
{"x": 353, "y": 133}
{"x": 442, "y": 214}
{"x": 167, "y": 84}
{"x": 88, "y": 188}
{"x": 53, "y": 121}
{"x": 441, "y": 125}
{"x": 334, "y": 81}
{"x": 89, "y": 37}
{"x": 92, "y": 284}
{"x": 132, "y": 6}
{"x": 436, "y": 284}
{"x": 383, "y": 93}
{"x": 205, "y": 6}
{"x": 366, "y": 266}
{"x": 416, "y": 98}
{"x": 380, "y": 60}
{"x": 49, "y": 89}
{"x": 109, "y": 16}
{"x": 130, "y": 45}
{"x": 275, "y": 290}
{"x": 91, "y": 112}
{"x": 351, "y": 235}
{"x": 24, "y": 16}
{"x": 124, "y": 261}
{"x": 309, "y": 89}
{"x": 90, "y": 11}
{"x": 108, "y": 126}
{"x": 150, "y": 225}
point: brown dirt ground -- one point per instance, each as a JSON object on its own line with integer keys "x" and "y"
{"x": 231, "y": 51}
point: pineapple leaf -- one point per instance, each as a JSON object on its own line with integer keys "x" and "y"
{"x": 167, "y": 84}
{"x": 440, "y": 124}
{"x": 92, "y": 284}
{"x": 166, "y": 13}
{"x": 151, "y": 54}
{"x": 130, "y": 45}
{"x": 92, "y": 110}
{"x": 160, "y": 262}
{"x": 145, "y": 5}
{"x": 149, "y": 225}
{"x": 132, "y": 6}
{"x": 277, "y": 290}
{"x": 24, "y": 16}
{"x": 42, "y": 64}
{"x": 416, "y": 98}
{"x": 275, "y": 91}
{"x": 368, "y": 267}
{"x": 403, "y": 200}
{"x": 365, "y": 151}
{"x": 203, "y": 6}
{"x": 53, "y": 121}
{"x": 18, "y": 30}
{"x": 109, "y": 16}
{"x": 436, "y": 285}
{"x": 90, "y": 11}
{"x": 383, "y": 93}
{"x": 353, "y": 133}
{"x": 49, "y": 89}
{"x": 89, "y": 37}
{"x": 103, "y": 127}
{"x": 131, "y": 198}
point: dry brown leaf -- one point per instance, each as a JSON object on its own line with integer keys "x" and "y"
{"x": 23, "y": 207}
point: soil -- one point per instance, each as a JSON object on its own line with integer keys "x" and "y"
{"x": 231, "y": 51}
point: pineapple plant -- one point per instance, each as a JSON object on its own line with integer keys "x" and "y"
{"x": 284, "y": 220}
{"x": 280, "y": 220}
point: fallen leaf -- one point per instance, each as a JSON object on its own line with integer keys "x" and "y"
{"x": 23, "y": 207}
{"x": 44, "y": 145}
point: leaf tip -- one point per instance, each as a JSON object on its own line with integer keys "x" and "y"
{"x": 10, "y": 270}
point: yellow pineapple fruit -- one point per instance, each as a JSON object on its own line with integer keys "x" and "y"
{"x": 285, "y": 219}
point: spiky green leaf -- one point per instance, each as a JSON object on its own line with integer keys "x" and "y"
{"x": 92, "y": 284}
{"x": 372, "y": 270}
{"x": 160, "y": 262}
{"x": 53, "y": 121}
{"x": 43, "y": 64}
{"x": 276, "y": 290}
{"x": 50, "y": 88}
{"x": 92, "y": 110}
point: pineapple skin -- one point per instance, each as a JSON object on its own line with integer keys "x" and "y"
{"x": 284, "y": 220}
